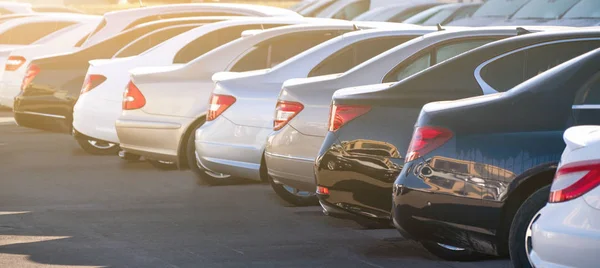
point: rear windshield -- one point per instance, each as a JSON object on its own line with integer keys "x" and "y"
{"x": 544, "y": 9}
{"x": 499, "y": 8}
{"x": 586, "y": 9}
{"x": 153, "y": 39}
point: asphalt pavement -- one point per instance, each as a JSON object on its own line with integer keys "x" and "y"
{"x": 60, "y": 207}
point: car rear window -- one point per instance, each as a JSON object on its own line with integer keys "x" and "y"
{"x": 499, "y": 8}
{"x": 544, "y": 9}
{"x": 586, "y": 9}
{"x": 152, "y": 39}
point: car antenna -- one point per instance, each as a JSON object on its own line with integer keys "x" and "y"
{"x": 141, "y": 3}
{"x": 439, "y": 28}
{"x": 354, "y": 27}
{"x": 521, "y": 31}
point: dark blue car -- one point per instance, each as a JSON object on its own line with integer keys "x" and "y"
{"x": 479, "y": 169}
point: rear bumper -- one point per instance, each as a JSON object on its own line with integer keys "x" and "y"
{"x": 225, "y": 147}
{"x": 44, "y": 112}
{"x": 570, "y": 242}
{"x": 48, "y": 122}
{"x": 95, "y": 117}
{"x": 157, "y": 139}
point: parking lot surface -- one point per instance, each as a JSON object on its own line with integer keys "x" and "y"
{"x": 61, "y": 207}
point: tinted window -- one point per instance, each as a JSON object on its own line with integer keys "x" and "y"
{"x": 440, "y": 17}
{"x": 213, "y": 40}
{"x": 465, "y": 12}
{"x": 590, "y": 93}
{"x": 518, "y": 67}
{"x": 26, "y": 34}
{"x": 440, "y": 54}
{"x": 152, "y": 40}
{"x": 406, "y": 14}
{"x": 272, "y": 52}
{"x": 177, "y": 15}
{"x": 352, "y": 10}
{"x": 544, "y": 9}
{"x": 499, "y": 8}
{"x": 355, "y": 54}
{"x": 584, "y": 10}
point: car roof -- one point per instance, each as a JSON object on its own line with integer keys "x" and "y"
{"x": 65, "y": 17}
{"x": 146, "y": 11}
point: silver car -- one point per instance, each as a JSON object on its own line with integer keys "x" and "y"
{"x": 290, "y": 151}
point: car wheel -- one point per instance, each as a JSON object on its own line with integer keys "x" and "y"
{"x": 517, "y": 238}
{"x": 98, "y": 147}
{"x": 162, "y": 165}
{"x": 450, "y": 253}
{"x": 293, "y": 195}
{"x": 203, "y": 175}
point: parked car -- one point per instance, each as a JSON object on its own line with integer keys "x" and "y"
{"x": 240, "y": 136}
{"x": 290, "y": 152}
{"x": 100, "y": 103}
{"x": 118, "y": 21}
{"x": 584, "y": 13}
{"x": 361, "y": 193}
{"x": 514, "y": 142}
{"x": 16, "y": 60}
{"x": 492, "y": 11}
{"x": 540, "y": 12}
{"x": 12, "y": 31}
{"x": 574, "y": 195}
{"x": 349, "y": 9}
{"x": 163, "y": 105}
{"x": 443, "y": 14}
{"x": 52, "y": 84}
{"x": 396, "y": 13}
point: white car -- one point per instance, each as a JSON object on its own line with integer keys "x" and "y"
{"x": 175, "y": 98}
{"x": 233, "y": 143}
{"x": 566, "y": 232}
{"x": 15, "y": 8}
{"x": 16, "y": 60}
{"x": 98, "y": 108}
{"x": 117, "y": 21}
{"x": 397, "y": 12}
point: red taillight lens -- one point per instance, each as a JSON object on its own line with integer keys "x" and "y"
{"x": 92, "y": 81}
{"x": 342, "y": 114}
{"x": 322, "y": 190}
{"x": 425, "y": 140}
{"x": 14, "y": 62}
{"x": 284, "y": 112}
{"x": 32, "y": 71}
{"x": 580, "y": 178}
{"x": 133, "y": 98}
{"x": 217, "y": 105}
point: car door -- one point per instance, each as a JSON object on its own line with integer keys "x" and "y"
{"x": 586, "y": 109}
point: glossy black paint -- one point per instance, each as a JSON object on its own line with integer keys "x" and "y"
{"x": 47, "y": 103}
{"x": 391, "y": 120}
{"x": 505, "y": 146}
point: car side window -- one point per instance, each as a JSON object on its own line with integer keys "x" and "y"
{"x": 590, "y": 93}
{"x": 152, "y": 40}
{"x": 272, "y": 52}
{"x": 214, "y": 39}
{"x": 355, "y": 54}
{"x": 464, "y": 12}
{"x": 177, "y": 15}
{"x": 352, "y": 10}
{"x": 439, "y": 54}
{"x": 523, "y": 65}
{"x": 406, "y": 14}
{"x": 26, "y": 34}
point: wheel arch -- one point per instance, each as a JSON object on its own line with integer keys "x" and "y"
{"x": 182, "y": 161}
{"x": 521, "y": 188}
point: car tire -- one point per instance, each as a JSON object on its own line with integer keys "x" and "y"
{"x": 452, "y": 255}
{"x": 520, "y": 223}
{"x": 290, "y": 197}
{"x": 98, "y": 148}
{"x": 203, "y": 176}
{"x": 162, "y": 165}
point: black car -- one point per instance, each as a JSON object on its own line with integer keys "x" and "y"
{"x": 52, "y": 84}
{"x": 384, "y": 114}
{"x": 479, "y": 169}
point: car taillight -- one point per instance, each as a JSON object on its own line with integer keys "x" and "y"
{"x": 92, "y": 81}
{"x": 284, "y": 112}
{"x": 32, "y": 71}
{"x": 133, "y": 97}
{"x": 14, "y": 62}
{"x": 218, "y": 104}
{"x": 577, "y": 178}
{"x": 342, "y": 114}
{"x": 425, "y": 140}
{"x": 322, "y": 190}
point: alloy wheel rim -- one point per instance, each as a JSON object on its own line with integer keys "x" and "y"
{"x": 101, "y": 144}
{"x": 298, "y": 193}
